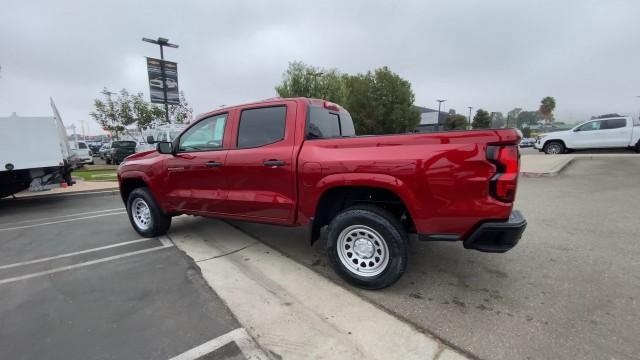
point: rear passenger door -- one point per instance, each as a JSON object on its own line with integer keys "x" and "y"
{"x": 616, "y": 132}
{"x": 260, "y": 169}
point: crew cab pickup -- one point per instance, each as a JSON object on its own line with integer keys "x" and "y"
{"x": 298, "y": 162}
{"x": 615, "y": 132}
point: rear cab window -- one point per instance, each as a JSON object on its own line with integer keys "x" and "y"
{"x": 324, "y": 123}
{"x": 614, "y": 124}
{"x": 261, "y": 126}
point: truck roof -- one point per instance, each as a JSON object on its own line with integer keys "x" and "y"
{"x": 312, "y": 101}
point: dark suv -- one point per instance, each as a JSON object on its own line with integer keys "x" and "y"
{"x": 119, "y": 151}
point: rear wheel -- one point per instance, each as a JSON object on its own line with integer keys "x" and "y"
{"x": 108, "y": 161}
{"x": 145, "y": 215}
{"x": 554, "y": 147}
{"x": 367, "y": 246}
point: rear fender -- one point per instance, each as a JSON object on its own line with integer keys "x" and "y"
{"x": 372, "y": 180}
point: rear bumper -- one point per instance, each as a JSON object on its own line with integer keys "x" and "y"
{"x": 497, "y": 237}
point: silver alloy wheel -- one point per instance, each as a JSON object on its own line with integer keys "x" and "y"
{"x": 141, "y": 213}
{"x": 362, "y": 250}
{"x": 553, "y": 149}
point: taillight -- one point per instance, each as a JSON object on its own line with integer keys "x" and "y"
{"x": 503, "y": 184}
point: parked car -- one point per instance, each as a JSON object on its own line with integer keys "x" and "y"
{"x": 615, "y": 132}
{"x": 82, "y": 151}
{"x": 103, "y": 150}
{"x": 527, "y": 142}
{"x": 298, "y": 162}
{"x": 120, "y": 150}
{"x": 95, "y": 148}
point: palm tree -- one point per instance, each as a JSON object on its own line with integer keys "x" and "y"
{"x": 547, "y": 105}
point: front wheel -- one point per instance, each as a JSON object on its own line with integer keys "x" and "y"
{"x": 367, "y": 246}
{"x": 145, "y": 215}
{"x": 553, "y": 148}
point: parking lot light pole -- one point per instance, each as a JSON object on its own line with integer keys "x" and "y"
{"x": 162, "y": 42}
{"x": 438, "y": 117}
{"x": 470, "y": 108}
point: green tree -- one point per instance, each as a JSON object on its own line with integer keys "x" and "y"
{"x": 528, "y": 119}
{"x": 106, "y": 114}
{"x": 497, "y": 120}
{"x": 380, "y": 101}
{"x": 512, "y": 116}
{"x": 303, "y": 80}
{"x": 132, "y": 111}
{"x": 181, "y": 114}
{"x": 455, "y": 122}
{"x": 526, "y": 132}
{"x": 547, "y": 105}
{"x": 481, "y": 120}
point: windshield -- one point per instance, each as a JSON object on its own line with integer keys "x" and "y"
{"x": 174, "y": 134}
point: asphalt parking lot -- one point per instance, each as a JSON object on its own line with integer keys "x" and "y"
{"x": 76, "y": 282}
{"x": 569, "y": 290}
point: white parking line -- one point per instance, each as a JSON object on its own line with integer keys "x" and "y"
{"x": 240, "y": 336}
{"x": 78, "y": 253}
{"x": 60, "y": 217}
{"x": 60, "y": 221}
{"x": 83, "y": 264}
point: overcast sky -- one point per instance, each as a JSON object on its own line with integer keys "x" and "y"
{"x": 491, "y": 54}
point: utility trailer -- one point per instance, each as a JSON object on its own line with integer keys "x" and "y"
{"x": 34, "y": 153}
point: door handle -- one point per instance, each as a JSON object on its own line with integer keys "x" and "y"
{"x": 274, "y": 163}
{"x": 214, "y": 164}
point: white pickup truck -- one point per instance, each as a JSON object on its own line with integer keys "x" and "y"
{"x": 614, "y": 132}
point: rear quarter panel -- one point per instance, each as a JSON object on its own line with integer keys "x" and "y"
{"x": 443, "y": 178}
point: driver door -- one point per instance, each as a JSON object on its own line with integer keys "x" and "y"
{"x": 587, "y": 136}
{"x": 196, "y": 172}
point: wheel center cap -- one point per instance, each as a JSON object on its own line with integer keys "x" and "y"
{"x": 363, "y": 248}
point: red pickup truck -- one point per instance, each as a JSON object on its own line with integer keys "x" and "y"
{"x": 298, "y": 162}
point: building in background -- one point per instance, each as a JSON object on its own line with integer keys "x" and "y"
{"x": 431, "y": 120}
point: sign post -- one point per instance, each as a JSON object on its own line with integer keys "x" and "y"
{"x": 163, "y": 75}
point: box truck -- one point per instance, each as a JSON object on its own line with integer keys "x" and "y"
{"x": 34, "y": 153}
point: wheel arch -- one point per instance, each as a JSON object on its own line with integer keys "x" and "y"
{"x": 130, "y": 182}
{"x": 339, "y": 196}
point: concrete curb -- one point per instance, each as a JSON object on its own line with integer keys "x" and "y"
{"x": 559, "y": 167}
{"x": 292, "y": 311}
{"x": 555, "y": 170}
{"x": 38, "y": 195}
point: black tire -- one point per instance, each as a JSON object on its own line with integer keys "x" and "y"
{"x": 637, "y": 147}
{"x": 554, "y": 147}
{"x": 391, "y": 232}
{"x": 159, "y": 221}
{"x": 108, "y": 161}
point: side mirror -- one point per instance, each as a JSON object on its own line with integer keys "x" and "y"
{"x": 165, "y": 147}
{"x": 150, "y": 140}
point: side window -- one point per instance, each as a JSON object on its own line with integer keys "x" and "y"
{"x": 322, "y": 124}
{"x": 207, "y": 134}
{"x": 590, "y": 126}
{"x": 614, "y": 123}
{"x": 261, "y": 126}
{"x": 82, "y": 146}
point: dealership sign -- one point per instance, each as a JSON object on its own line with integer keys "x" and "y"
{"x": 158, "y": 81}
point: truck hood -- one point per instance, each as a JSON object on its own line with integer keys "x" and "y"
{"x": 149, "y": 154}
{"x": 556, "y": 133}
